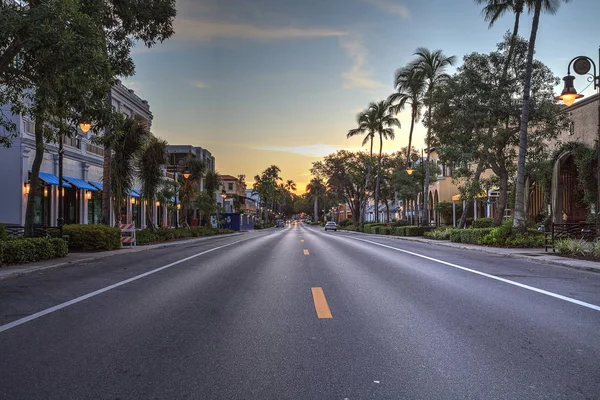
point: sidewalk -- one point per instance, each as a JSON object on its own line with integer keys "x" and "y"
{"x": 531, "y": 254}
{"x": 13, "y": 271}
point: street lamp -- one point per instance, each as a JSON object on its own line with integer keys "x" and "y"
{"x": 582, "y": 66}
{"x": 223, "y": 196}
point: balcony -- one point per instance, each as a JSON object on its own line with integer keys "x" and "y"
{"x": 93, "y": 149}
{"x": 71, "y": 141}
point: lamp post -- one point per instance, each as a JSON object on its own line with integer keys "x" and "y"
{"x": 582, "y": 66}
{"x": 85, "y": 126}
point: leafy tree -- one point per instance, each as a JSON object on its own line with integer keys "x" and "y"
{"x": 149, "y": 164}
{"x": 316, "y": 188}
{"x": 207, "y": 201}
{"x": 190, "y": 185}
{"x": 472, "y": 127}
{"x": 58, "y": 60}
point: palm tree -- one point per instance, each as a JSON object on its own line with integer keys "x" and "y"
{"x": 549, "y": 6}
{"x": 410, "y": 85}
{"x": 149, "y": 165}
{"x": 127, "y": 140}
{"x": 496, "y": 9}
{"x": 433, "y": 65}
{"x": 315, "y": 188}
{"x": 290, "y": 185}
{"x": 385, "y": 123}
{"x": 190, "y": 185}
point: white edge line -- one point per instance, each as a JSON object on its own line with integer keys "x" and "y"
{"x": 527, "y": 287}
{"x": 76, "y": 300}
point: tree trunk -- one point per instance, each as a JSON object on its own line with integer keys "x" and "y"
{"x": 519, "y": 217}
{"x": 426, "y": 185}
{"x": 316, "y": 209}
{"x": 502, "y": 199}
{"x": 387, "y": 209}
{"x": 378, "y": 179}
{"x": 413, "y": 116}
{"x": 106, "y": 198}
{"x": 35, "y": 172}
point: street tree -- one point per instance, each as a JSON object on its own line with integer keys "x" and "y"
{"x": 548, "y": 6}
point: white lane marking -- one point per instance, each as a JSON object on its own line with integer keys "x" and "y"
{"x": 527, "y": 287}
{"x": 106, "y": 289}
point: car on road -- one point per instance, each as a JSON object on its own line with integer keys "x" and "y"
{"x": 280, "y": 223}
{"x": 331, "y": 226}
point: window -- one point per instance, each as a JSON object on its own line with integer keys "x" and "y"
{"x": 29, "y": 126}
{"x": 230, "y": 186}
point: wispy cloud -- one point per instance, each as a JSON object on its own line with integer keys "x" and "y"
{"x": 313, "y": 150}
{"x": 391, "y": 6}
{"x": 359, "y": 76}
{"x": 207, "y": 30}
{"x": 200, "y": 84}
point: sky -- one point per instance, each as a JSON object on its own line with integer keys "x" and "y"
{"x": 280, "y": 82}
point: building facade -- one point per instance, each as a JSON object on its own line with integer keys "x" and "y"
{"x": 82, "y": 172}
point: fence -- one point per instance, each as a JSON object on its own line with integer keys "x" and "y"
{"x": 569, "y": 231}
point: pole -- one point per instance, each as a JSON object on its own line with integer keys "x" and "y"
{"x": 597, "y": 85}
{"x": 61, "y": 220}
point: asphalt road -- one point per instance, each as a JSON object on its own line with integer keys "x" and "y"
{"x": 242, "y": 317}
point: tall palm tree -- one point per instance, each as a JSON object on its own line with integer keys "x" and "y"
{"x": 433, "y": 65}
{"x": 149, "y": 165}
{"x": 290, "y": 185}
{"x": 127, "y": 141}
{"x": 315, "y": 188}
{"x": 384, "y": 123}
{"x": 366, "y": 125}
{"x": 549, "y": 6}
{"x": 496, "y": 9}
{"x": 190, "y": 185}
{"x": 410, "y": 89}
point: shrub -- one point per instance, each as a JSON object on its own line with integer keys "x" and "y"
{"x": 23, "y": 250}
{"x": 345, "y": 222}
{"x": 368, "y": 227}
{"x": 316, "y": 223}
{"x": 442, "y": 233}
{"x": 498, "y": 235}
{"x": 3, "y": 234}
{"x": 471, "y": 235}
{"x": 92, "y": 237}
{"x": 401, "y": 222}
{"x": 483, "y": 223}
{"x": 386, "y": 230}
{"x": 575, "y": 247}
{"x": 417, "y": 230}
{"x": 398, "y": 231}
{"x": 147, "y": 236}
{"x": 529, "y": 238}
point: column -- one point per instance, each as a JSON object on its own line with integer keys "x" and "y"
{"x": 453, "y": 213}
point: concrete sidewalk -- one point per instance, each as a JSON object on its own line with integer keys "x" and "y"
{"x": 532, "y": 254}
{"x": 13, "y": 271}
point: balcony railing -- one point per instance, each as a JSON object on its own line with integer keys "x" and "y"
{"x": 170, "y": 175}
{"x": 71, "y": 141}
{"x": 93, "y": 149}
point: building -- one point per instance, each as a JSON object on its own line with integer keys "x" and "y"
{"x": 82, "y": 172}
{"x": 236, "y": 199}
{"x": 176, "y": 153}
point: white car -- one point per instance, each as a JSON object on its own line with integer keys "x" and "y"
{"x": 331, "y": 226}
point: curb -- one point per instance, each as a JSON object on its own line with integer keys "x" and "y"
{"x": 37, "y": 268}
{"x": 487, "y": 250}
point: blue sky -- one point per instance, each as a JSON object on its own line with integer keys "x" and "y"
{"x": 279, "y": 82}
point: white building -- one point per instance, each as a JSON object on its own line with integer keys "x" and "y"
{"x": 82, "y": 172}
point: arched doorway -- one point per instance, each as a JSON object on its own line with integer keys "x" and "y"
{"x": 436, "y": 200}
{"x": 568, "y": 203}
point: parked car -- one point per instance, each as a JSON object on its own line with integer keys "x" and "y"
{"x": 331, "y": 226}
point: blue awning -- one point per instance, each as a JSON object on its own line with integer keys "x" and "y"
{"x": 80, "y": 183}
{"x": 133, "y": 193}
{"x": 97, "y": 184}
{"x": 51, "y": 179}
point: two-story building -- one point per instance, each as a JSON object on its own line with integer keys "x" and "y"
{"x": 235, "y": 196}
{"x": 82, "y": 172}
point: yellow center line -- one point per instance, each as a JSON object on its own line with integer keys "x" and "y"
{"x": 306, "y": 252}
{"x": 321, "y": 305}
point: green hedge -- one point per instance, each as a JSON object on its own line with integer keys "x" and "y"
{"x": 441, "y": 233}
{"x": 483, "y": 223}
{"x": 345, "y": 222}
{"x": 470, "y": 235}
{"x": 92, "y": 237}
{"x": 147, "y": 236}
{"x": 24, "y": 250}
